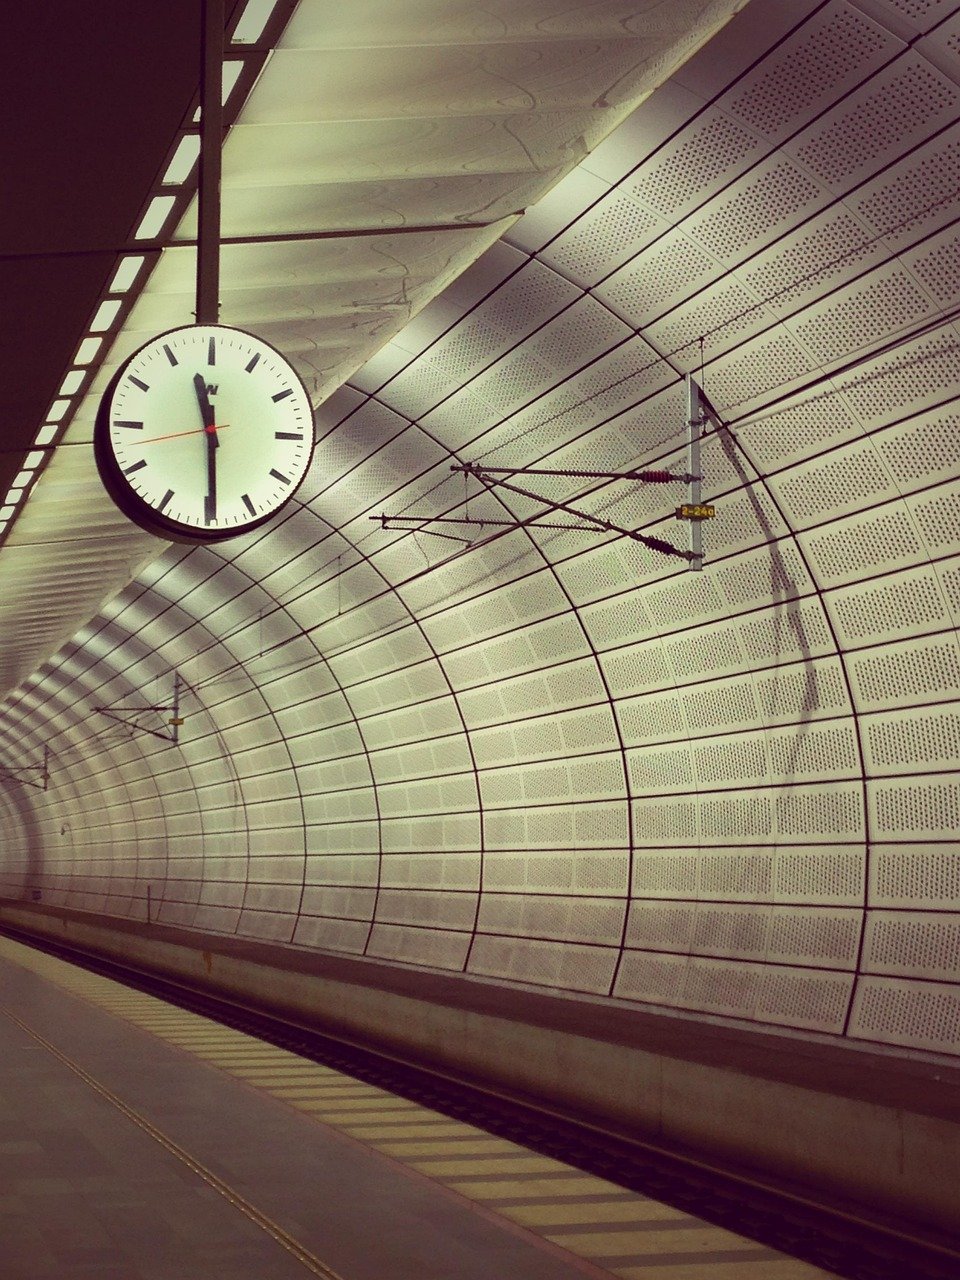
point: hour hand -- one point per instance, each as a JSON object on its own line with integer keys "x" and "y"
{"x": 203, "y": 400}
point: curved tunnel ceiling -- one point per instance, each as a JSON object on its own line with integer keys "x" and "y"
{"x": 371, "y": 156}
{"x": 557, "y": 757}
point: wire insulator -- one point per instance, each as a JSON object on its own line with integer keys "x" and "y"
{"x": 667, "y": 548}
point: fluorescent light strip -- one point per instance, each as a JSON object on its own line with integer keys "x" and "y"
{"x": 107, "y": 312}
{"x": 184, "y": 158}
{"x": 158, "y": 210}
{"x": 87, "y": 350}
{"x": 253, "y": 21}
{"x": 57, "y": 410}
{"x": 126, "y": 273}
{"x": 230, "y": 75}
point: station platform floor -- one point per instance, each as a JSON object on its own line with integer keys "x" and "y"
{"x": 139, "y": 1141}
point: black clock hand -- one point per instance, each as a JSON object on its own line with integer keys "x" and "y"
{"x": 210, "y": 504}
{"x": 203, "y": 399}
{"x": 210, "y": 431}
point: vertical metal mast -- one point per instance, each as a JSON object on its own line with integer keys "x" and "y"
{"x": 211, "y": 146}
{"x": 694, "y": 426}
{"x": 177, "y": 719}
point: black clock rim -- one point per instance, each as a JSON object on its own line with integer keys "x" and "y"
{"x": 125, "y": 498}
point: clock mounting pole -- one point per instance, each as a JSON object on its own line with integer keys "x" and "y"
{"x": 158, "y": 469}
{"x": 211, "y": 147}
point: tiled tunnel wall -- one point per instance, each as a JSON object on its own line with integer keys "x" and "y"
{"x": 558, "y": 757}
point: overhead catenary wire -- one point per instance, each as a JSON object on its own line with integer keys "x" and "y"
{"x": 755, "y": 414}
{"x": 907, "y": 336}
{"x": 655, "y": 544}
{"x": 668, "y": 356}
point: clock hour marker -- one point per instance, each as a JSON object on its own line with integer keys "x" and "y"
{"x": 287, "y": 435}
{"x": 128, "y": 471}
{"x": 282, "y": 395}
{"x": 170, "y": 356}
{"x": 137, "y": 383}
{"x": 212, "y": 351}
{"x": 252, "y": 364}
{"x": 278, "y": 476}
{"x": 165, "y": 499}
{"x": 248, "y": 504}
{"x": 132, "y": 426}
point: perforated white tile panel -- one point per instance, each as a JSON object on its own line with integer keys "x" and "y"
{"x": 554, "y": 757}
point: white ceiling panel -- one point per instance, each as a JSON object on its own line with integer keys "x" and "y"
{"x": 377, "y": 119}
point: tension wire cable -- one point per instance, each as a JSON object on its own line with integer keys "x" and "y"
{"x": 667, "y": 356}
{"x": 655, "y": 544}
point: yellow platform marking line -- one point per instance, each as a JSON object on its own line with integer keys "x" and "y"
{"x": 273, "y": 1229}
{"x": 358, "y": 1106}
{"x": 304, "y": 1091}
{"x": 433, "y": 1146}
{"x": 574, "y": 1184}
{"x": 429, "y": 1128}
{"x": 621, "y": 1211}
{"x": 624, "y": 1243}
{"x": 740, "y": 1269}
{"x": 466, "y": 1159}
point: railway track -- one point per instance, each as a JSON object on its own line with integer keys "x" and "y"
{"x": 834, "y": 1238}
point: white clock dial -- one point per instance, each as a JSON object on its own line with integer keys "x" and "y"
{"x": 204, "y": 433}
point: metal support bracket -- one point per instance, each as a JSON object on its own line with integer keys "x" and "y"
{"x": 695, "y": 418}
{"x": 30, "y": 775}
{"x": 489, "y": 477}
{"x": 416, "y": 524}
{"x": 693, "y": 510}
{"x": 595, "y": 522}
{"x": 130, "y": 715}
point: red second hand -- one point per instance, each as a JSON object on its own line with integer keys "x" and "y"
{"x": 175, "y": 435}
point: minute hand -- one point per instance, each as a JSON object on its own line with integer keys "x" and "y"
{"x": 210, "y": 431}
{"x": 203, "y": 399}
{"x": 210, "y": 504}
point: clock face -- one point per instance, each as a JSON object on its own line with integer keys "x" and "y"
{"x": 203, "y": 434}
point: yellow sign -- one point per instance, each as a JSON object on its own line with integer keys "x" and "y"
{"x": 696, "y": 511}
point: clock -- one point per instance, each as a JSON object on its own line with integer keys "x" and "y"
{"x": 203, "y": 434}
